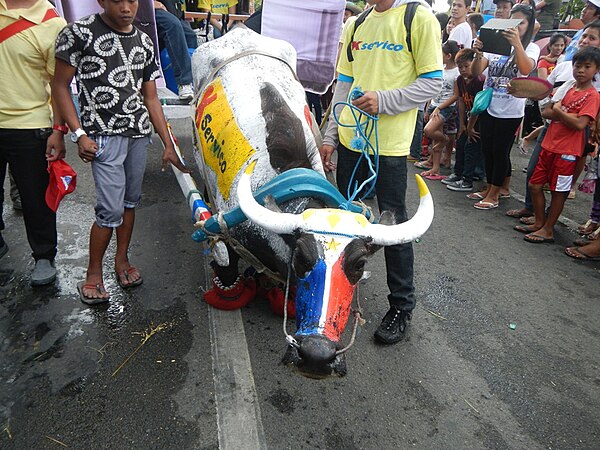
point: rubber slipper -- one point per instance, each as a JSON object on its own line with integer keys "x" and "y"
{"x": 504, "y": 196}
{"x": 485, "y": 205}
{"x": 475, "y": 196}
{"x": 90, "y": 300}
{"x": 537, "y": 239}
{"x": 126, "y": 273}
{"x": 518, "y": 213}
{"x": 577, "y": 253}
{"x": 420, "y": 165}
{"x": 527, "y": 220}
{"x": 524, "y": 229}
{"x": 436, "y": 177}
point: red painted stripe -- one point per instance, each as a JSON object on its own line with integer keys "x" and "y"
{"x": 340, "y": 300}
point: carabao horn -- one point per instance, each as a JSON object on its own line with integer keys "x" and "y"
{"x": 410, "y": 230}
{"x": 277, "y": 222}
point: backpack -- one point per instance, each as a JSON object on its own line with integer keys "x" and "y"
{"x": 409, "y": 14}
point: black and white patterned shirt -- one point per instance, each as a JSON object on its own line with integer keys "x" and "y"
{"x": 111, "y": 67}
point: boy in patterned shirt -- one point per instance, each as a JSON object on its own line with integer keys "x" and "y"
{"x": 115, "y": 68}
{"x": 563, "y": 144}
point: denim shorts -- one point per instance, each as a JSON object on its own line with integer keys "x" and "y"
{"x": 449, "y": 115}
{"x": 118, "y": 171}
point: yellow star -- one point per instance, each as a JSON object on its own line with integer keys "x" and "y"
{"x": 332, "y": 244}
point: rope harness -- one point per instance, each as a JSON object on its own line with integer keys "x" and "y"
{"x": 357, "y": 313}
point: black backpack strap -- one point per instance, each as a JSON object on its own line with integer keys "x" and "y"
{"x": 357, "y": 23}
{"x": 409, "y": 15}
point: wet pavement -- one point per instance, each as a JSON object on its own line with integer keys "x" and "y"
{"x": 502, "y": 351}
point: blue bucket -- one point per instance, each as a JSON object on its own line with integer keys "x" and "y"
{"x": 165, "y": 64}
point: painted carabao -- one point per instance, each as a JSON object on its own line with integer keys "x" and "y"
{"x": 254, "y": 127}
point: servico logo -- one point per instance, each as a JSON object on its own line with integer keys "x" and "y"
{"x": 377, "y": 45}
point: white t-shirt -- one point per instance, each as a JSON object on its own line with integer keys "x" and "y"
{"x": 564, "y": 72}
{"x": 447, "y": 87}
{"x": 462, "y": 34}
{"x": 504, "y": 105}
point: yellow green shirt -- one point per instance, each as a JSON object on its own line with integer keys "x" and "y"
{"x": 217, "y": 6}
{"x": 382, "y": 62}
{"x": 26, "y": 67}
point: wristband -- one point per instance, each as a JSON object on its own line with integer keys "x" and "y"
{"x": 62, "y": 128}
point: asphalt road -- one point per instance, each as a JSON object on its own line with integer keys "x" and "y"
{"x": 85, "y": 378}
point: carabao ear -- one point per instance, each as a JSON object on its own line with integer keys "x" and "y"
{"x": 286, "y": 142}
{"x": 306, "y": 255}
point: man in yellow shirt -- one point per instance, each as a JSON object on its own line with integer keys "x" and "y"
{"x": 395, "y": 81}
{"x": 218, "y": 7}
{"x": 28, "y": 139}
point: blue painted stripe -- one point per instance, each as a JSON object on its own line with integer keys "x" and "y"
{"x": 309, "y": 299}
{"x": 434, "y": 74}
{"x": 345, "y": 78}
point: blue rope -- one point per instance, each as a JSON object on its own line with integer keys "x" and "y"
{"x": 364, "y": 126}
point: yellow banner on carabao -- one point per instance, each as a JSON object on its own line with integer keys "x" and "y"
{"x": 224, "y": 147}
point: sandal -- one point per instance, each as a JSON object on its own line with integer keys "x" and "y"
{"x": 92, "y": 300}
{"x": 588, "y": 227}
{"x": 518, "y": 213}
{"x": 123, "y": 278}
{"x": 527, "y": 220}
{"x": 485, "y": 205}
{"x": 476, "y": 196}
{"x": 421, "y": 165}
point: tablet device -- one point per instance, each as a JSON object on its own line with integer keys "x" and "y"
{"x": 491, "y": 35}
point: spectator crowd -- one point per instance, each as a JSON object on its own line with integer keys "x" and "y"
{"x": 559, "y": 131}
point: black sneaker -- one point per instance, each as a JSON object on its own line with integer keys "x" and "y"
{"x": 451, "y": 179}
{"x": 393, "y": 326}
{"x": 460, "y": 186}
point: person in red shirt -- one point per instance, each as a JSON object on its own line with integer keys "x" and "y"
{"x": 563, "y": 145}
{"x": 556, "y": 47}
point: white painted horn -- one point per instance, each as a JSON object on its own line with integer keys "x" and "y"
{"x": 410, "y": 230}
{"x": 277, "y": 222}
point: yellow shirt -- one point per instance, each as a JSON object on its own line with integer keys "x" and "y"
{"x": 26, "y": 67}
{"x": 217, "y": 6}
{"x": 382, "y": 62}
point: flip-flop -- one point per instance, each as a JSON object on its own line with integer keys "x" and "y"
{"x": 420, "y": 165}
{"x": 475, "y": 196}
{"x": 577, "y": 253}
{"x": 527, "y": 220}
{"x": 504, "y": 196}
{"x": 524, "y": 229}
{"x": 435, "y": 177}
{"x": 537, "y": 239}
{"x": 126, "y": 273}
{"x": 518, "y": 213}
{"x": 89, "y": 300}
{"x": 485, "y": 205}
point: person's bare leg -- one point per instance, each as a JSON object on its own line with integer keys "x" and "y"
{"x": 591, "y": 250}
{"x": 557, "y": 203}
{"x": 576, "y": 174}
{"x": 539, "y": 205}
{"x": 436, "y": 154}
{"x": 99, "y": 240}
{"x": 124, "y": 232}
{"x": 446, "y": 159}
{"x": 505, "y": 190}
{"x": 492, "y": 195}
